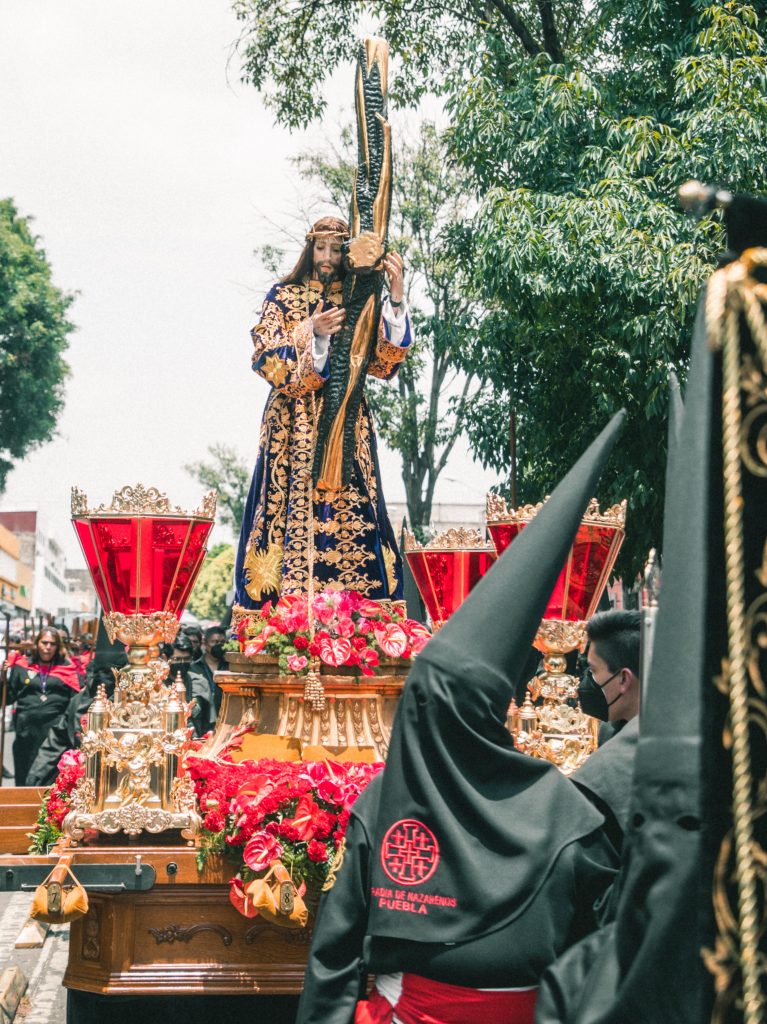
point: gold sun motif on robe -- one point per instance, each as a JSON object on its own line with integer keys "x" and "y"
{"x": 263, "y": 570}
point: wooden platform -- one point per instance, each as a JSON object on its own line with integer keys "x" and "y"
{"x": 19, "y": 807}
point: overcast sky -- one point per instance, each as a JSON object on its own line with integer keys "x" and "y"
{"x": 149, "y": 169}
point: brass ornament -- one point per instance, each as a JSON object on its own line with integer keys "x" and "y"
{"x": 132, "y": 746}
{"x": 559, "y": 636}
{"x": 497, "y": 511}
{"x": 454, "y": 539}
{"x": 141, "y": 630}
{"x": 552, "y": 728}
{"x": 139, "y": 500}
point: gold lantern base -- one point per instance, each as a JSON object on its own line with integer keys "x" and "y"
{"x": 554, "y": 728}
{"x": 133, "y": 743}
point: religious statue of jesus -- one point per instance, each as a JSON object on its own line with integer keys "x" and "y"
{"x": 293, "y": 526}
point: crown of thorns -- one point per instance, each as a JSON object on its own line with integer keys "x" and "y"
{"x": 327, "y": 233}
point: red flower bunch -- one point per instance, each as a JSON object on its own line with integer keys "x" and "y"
{"x": 257, "y": 812}
{"x": 349, "y": 630}
{"x": 57, "y": 802}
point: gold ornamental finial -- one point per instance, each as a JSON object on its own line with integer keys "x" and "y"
{"x": 497, "y": 511}
{"x": 139, "y": 500}
{"x": 456, "y": 538}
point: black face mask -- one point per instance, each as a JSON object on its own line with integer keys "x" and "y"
{"x": 591, "y": 695}
{"x": 217, "y": 651}
{"x": 177, "y": 666}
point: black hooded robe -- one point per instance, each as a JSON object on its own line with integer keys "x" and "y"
{"x": 513, "y": 957}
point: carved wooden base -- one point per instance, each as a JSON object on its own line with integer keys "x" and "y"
{"x": 179, "y": 937}
{"x": 185, "y": 940}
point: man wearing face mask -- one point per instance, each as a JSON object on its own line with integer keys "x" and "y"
{"x": 610, "y": 691}
{"x": 197, "y": 689}
{"x": 211, "y": 660}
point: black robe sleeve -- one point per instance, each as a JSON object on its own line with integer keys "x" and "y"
{"x": 335, "y": 975}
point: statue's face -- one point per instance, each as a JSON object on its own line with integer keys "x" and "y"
{"x": 327, "y": 259}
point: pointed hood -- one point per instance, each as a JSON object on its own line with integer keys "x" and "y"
{"x": 467, "y": 827}
{"x": 675, "y": 416}
{"x": 745, "y": 218}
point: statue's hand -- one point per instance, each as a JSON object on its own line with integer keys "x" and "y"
{"x": 328, "y": 321}
{"x": 395, "y": 272}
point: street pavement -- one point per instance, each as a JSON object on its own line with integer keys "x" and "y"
{"x": 45, "y": 1001}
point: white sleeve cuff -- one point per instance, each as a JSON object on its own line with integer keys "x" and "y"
{"x": 396, "y": 320}
{"x": 320, "y": 347}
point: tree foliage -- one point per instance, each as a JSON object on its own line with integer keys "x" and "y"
{"x": 587, "y": 267}
{"x": 574, "y": 122}
{"x": 422, "y": 413}
{"x": 208, "y": 598}
{"x": 227, "y": 474}
{"x": 34, "y": 334}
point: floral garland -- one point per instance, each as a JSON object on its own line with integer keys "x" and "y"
{"x": 345, "y": 629}
{"x": 57, "y": 802}
{"x": 259, "y": 812}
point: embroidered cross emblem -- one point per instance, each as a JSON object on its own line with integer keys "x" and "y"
{"x": 409, "y": 852}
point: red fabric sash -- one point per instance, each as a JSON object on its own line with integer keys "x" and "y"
{"x": 66, "y": 673}
{"x": 433, "y": 1002}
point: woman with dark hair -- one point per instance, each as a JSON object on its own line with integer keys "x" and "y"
{"x": 351, "y": 541}
{"x": 41, "y": 685}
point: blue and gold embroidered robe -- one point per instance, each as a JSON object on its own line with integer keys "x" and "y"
{"x": 354, "y": 545}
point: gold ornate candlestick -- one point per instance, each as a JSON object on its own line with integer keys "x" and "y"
{"x": 143, "y": 556}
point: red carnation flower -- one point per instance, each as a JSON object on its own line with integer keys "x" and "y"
{"x": 300, "y": 643}
{"x": 317, "y": 852}
{"x": 214, "y": 821}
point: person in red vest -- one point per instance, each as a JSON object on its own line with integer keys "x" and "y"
{"x": 41, "y": 685}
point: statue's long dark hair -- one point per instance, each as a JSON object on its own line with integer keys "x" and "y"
{"x": 305, "y": 266}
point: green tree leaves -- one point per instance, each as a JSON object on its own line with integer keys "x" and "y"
{"x": 34, "y": 334}
{"x": 208, "y": 598}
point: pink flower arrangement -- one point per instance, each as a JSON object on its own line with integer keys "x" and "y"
{"x": 349, "y": 630}
{"x": 257, "y": 812}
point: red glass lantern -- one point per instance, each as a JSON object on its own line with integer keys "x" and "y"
{"x": 143, "y": 556}
{"x": 447, "y": 568}
{"x": 591, "y": 559}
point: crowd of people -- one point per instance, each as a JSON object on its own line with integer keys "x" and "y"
{"x": 50, "y": 680}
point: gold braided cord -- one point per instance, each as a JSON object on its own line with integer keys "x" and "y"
{"x": 726, "y": 294}
{"x": 314, "y": 691}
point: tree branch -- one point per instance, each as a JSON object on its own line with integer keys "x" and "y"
{"x": 457, "y": 429}
{"x": 550, "y": 35}
{"x": 518, "y": 27}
